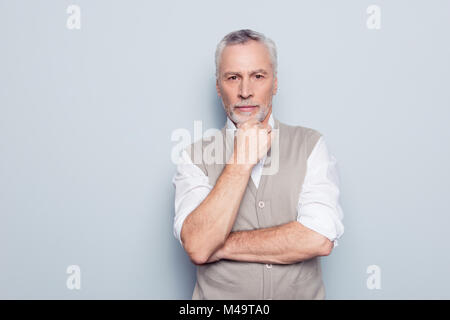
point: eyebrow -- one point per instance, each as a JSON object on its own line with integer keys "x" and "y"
{"x": 251, "y": 72}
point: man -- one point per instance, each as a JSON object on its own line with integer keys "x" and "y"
{"x": 254, "y": 235}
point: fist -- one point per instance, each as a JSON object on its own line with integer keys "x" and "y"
{"x": 252, "y": 142}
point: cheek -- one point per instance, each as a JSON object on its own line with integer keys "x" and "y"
{"x": 227, "y": 94}
{"x": 266, "y": 92}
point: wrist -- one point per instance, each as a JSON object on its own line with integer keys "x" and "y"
{"x": 240, "y": 168}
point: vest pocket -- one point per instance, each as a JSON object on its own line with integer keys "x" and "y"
{"x": 214, "y": 289}
{"x": 309, "y": 289}
{"x": 216, "y": 273}
{"x": 305, "y": 270}
{"x": 230, "y": 280}
{"x": 308, "y": 283}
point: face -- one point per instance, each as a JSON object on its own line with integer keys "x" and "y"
{"x": 246, "y": 83}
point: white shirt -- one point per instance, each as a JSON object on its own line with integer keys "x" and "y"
{"x": 318, "y": 204}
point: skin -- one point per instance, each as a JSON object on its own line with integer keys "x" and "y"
{"x": 246, "y": 78}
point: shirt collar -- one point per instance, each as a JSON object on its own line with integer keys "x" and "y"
{"x": 230, "y": 124}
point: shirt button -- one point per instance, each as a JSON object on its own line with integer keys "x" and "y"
{"x": 268, "y": 266}
{"x": 261, "y": 204}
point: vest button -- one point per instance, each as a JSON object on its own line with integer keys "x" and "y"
{"x": 261, "y": 204}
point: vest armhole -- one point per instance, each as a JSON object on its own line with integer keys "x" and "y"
{"x": 312, "y": 139}
{"x": 190, "y": 150}
{"x": 308, "y": 136}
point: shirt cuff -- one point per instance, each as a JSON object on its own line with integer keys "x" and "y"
{"x": 319, "y": 221}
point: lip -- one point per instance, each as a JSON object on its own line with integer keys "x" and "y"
{"x": 246, "y": 108}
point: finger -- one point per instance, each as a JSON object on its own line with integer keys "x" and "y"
{"x": 266, "y": 127}
{"x": 248, "y": 124}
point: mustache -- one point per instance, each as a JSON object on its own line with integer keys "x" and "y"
{"x": 246, "y": 103}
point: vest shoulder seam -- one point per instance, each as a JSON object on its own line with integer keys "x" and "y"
{"x": 307, "y": 130}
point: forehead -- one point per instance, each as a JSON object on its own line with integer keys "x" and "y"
{"x": 251, "y": 55}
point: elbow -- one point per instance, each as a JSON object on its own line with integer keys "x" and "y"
{"x": 325, "y": 247}
{"x": 200, "y": 250}
{"x": 198, "y": 255}
{"x": 192, "y": 249}
{"x": 198, "y": 259}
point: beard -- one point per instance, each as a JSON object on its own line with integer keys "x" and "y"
{"x": 240, "y": 117}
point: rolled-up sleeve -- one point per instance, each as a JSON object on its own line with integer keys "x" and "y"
{"x": 318, "y": 206}
{"x": 191, "y": 188}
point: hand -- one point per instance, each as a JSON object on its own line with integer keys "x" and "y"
{"x": 252, "y": 142}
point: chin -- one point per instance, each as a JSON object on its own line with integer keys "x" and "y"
{"x": 239, "y": 117}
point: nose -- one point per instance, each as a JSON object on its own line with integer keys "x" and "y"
{"x": 245, "y": 89}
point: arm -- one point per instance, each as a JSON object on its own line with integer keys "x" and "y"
{"x": 207, "y": 227}
{"x": 318, "y": 223}
{"x": 285, "y": 244}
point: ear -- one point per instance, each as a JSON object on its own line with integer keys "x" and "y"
{"x": 275, "y": 86}
{"x": 217, "y": 88}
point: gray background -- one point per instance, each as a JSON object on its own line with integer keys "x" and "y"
{"x": 86, "y": 118}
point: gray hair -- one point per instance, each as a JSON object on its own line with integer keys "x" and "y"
{"x": 243, "y": 36}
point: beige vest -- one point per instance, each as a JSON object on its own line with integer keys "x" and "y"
{"x": 273, "y": 203}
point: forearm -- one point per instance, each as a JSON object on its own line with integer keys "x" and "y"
{"x": 208, "y": 226}
{"x": 284, "y": 244}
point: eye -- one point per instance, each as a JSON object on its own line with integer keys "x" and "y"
{"x": 232, "y": 78}
{"x": 259, "y": 76}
